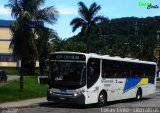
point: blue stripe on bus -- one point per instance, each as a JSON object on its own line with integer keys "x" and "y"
{"x": 130, "y": 83}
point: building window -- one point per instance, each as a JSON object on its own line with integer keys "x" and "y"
{"x": 8, "y": 58}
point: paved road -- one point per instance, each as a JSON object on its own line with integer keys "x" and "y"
{"x": 112, "y": 107}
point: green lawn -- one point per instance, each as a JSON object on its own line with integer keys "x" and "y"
{"x": 10, "y": 91}
{"x": 14, "y": 71}
{"x": 11, "y": 71}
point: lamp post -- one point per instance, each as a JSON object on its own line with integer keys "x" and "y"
{"x": 138, "y": 29}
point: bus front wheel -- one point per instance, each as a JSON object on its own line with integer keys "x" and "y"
{"x": 139, "y": 94}
{"x": 102, "y": 99}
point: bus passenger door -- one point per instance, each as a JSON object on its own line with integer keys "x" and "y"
{"x": 93, "y": 74}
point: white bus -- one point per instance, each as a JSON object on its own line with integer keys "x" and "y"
{"x": 90, "y": 78}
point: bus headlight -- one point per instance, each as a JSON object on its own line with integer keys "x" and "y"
{"x": 76, "y": 94}
{"x": 51, "y": 91}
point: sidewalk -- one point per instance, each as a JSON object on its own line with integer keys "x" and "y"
{"x": 10, "y": 78}
{"x": 24, "y": 103}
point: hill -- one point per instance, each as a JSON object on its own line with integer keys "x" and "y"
{"x": 125, "y": 37}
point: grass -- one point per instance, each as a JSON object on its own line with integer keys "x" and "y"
{"x": 11, "y": 71}
{"x": 10, "y": 91}
{"x": 14, "y": 71}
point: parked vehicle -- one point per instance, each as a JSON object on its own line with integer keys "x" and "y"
{"x": 3, "y": 76}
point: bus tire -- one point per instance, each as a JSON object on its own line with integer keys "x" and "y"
{"x": 102, "y": 99}
{"x": 139, "y": 94}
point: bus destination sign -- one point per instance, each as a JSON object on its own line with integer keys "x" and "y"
{"x": 68, "y": 57}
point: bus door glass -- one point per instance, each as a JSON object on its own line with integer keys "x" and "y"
{"x": 93, "y": 71}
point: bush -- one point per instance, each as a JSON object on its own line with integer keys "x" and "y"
{"x": 158, "y": 79}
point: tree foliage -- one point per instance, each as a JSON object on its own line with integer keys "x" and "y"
{"x": 74, "y": 46}
{"x": 43, "y": 44}
{"x": 118, "y": 38}
{"x": 88, "y": 20}
{"x": 28, "y": 16}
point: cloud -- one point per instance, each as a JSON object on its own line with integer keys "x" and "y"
{"x": 63, "y": 10}
{"x": 4, "y": 11}
{"x": 67, "y": 10}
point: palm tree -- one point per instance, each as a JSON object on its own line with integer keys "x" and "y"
{"x": 28, "y": 14}
{"x": 88, "y": 21}
{"x": 44, "y": 46}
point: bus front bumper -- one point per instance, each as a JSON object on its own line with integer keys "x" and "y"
{"x": 79, "y": 99}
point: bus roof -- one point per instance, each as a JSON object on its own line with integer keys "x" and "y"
{"x": 116, "y": 58}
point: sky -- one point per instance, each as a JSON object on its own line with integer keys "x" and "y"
{"x": 109, "y": 8}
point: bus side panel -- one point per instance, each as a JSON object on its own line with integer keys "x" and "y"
{"x": 91, "y": 97}
{"x": 148, "y": 89}
{"x": 118, "y": 89}
{"x": 91, "y": 94}
{"x": 111, "y": 87}
{"x": 131, "y": 87}
{"x": 123, "y": 91}
{"x": 129, "y": 94}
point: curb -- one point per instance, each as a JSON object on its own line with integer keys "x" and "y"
{"x": 17, "y": 107}
{"x": 27, "y": 106}
{"x": 24, "y": 104}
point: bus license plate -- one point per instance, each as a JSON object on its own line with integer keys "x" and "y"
{"x": 61, "y": 98}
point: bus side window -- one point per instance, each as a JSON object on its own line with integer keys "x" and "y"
{"x": 115, "y": 75}
{"x": 107, "y": 71}
{"x": 104, "y": 74}
{"x": 143, "y": 75}
{"x": 125, "y": 74}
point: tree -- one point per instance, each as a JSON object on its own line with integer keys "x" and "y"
{"x": 28, "y": 15}
{"x": 74, "y": 46}
{"x": 56, "y": 43}
{"x": 43, "y": 44}
{"x": 88, "y": 21}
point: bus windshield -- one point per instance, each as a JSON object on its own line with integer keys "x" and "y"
{"x": 67, "y": 73}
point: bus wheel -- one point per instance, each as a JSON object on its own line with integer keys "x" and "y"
{"x": 102, "y": 99}
{"x": 139, "y": 94}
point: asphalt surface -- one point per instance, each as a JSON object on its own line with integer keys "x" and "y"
{"x": 150, "y": 104}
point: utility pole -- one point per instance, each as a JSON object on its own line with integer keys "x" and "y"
{"x": 157, "y": 52}
{"x": 104, "y": 39}
{"x": 136, "y": 29}
{"x": 138, "y": 34}
{"x": 104, "y": 43}
{"x": 158, "y": 32}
